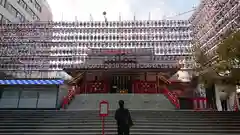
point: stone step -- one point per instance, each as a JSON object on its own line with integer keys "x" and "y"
{"x": 98, "y": 130}
{"x": 113, "y": 122}
{"x": 133, "y": 101}
{"x": 109, "y": 120}
{"x": 111, "y": 116}
{"x": 114, "y": 133}
{"x": 134, "y": 115}
{"x": 79, "y": 116}
{"x": 112, "y": 119}
{"x": 227, "y": 124}
{"x": 112, "y": 126}
{"x": 146, "y": 122}
{"x": 96, "y": 111}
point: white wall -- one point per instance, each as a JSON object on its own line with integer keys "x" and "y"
{"x": 218, "y": 101}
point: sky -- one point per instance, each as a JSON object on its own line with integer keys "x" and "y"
{"x": 85, "y": 10}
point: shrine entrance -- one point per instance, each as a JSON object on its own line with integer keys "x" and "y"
{"x": 121, "y": 83}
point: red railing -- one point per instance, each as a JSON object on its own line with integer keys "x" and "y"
{"x": 199, "y": 103}
{"x": 172, "y": 98}
{"x": 151, "y": 87}
{"x": 67, "y": 99}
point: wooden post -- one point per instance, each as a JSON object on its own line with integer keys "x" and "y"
{"x": 157, "y": 81}
{"x": 145, "y": 76}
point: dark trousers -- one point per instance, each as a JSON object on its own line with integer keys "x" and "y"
{"x": 224, "y": 105}
{"x": 123, "y": 130}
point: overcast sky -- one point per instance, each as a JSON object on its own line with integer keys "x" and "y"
{"x": 70, "y": 10}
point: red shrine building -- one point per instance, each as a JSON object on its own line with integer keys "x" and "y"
{"x": 104, "y": 57}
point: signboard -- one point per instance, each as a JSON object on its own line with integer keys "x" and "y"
{"x": 84, "y": 66}
{"x": 126, "y": 51}
{"x": 128, "y": 66}
{"x": 103, "y": 108}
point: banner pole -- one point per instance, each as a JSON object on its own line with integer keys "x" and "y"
{"x": 103, "y": 126}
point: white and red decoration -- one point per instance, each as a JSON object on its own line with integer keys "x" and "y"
{"x": 57, "y": 45}
{"x": 96, "y": 87}
{"x": 145, "y": 87}
{"x": 208, "y": 35}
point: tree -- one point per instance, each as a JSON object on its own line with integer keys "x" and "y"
{"x": 229, "y": 48}
{"x": 222, "y": 68}
{"x": 229, "y": 57}
{"x": 203, "y": 72}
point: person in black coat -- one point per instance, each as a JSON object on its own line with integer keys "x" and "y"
{"x": 123, "y": 118}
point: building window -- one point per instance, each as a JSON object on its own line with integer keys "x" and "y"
{"x": 5, "y": 20}
{"x": 36, "y": 18}
{"x": 38, "y": 7}
{"x": 14, "y": 11}
{"x": 11, "y": 9}
{"x": 1, "y": 18}
{"x": 20, "y": 17}
{"x": 22, "y": 3}
{"x": 29, "y": 10}
{"x": 2, "y": 2}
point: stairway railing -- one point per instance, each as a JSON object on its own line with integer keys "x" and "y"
{"x": 170, "y": 95}
{"x": 67, "y": 99}
{"x": 200, "y": 103}
{"x": 172, "y": 98}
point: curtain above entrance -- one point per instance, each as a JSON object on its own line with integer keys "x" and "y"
{"x": 31, "y": 82}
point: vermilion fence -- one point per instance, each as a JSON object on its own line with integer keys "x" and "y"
{"x": 172, "y": 98}
{"x": 144, "y": 87}
{"x": 138, "y": 87}
{"x": 67, "y": 99}
{"x": 199, "y": 103}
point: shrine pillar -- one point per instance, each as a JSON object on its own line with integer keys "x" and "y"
{"x": 232, "y": 98}
{"x": 217, "y": 97}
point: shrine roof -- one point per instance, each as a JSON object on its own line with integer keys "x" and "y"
{"x": 167, "y": 71}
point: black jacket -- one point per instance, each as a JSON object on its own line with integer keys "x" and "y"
{"x": 123, "y": 117}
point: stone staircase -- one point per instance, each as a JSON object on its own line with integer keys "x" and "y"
{"x": 146, "y": 123}
{"x": 133, "y": 101}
